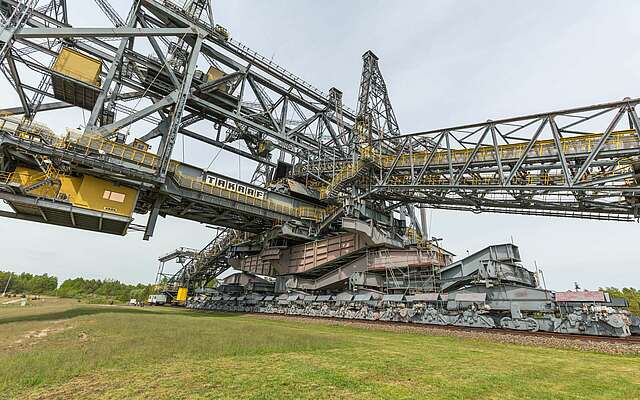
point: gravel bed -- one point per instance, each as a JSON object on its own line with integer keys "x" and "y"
{"x": 498, "y": 336}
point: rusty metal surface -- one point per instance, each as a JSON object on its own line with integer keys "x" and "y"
{"x": 593, "y": 296}
{"x": 307, "y": 257}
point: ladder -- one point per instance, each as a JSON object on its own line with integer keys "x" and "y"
{"x": 50, "y": 177}
{"x": 394, "y": 278}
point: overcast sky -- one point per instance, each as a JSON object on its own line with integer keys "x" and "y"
{"x": 445, "y": 63}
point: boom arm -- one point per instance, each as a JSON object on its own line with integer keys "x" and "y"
{"x": 579, "y": 162}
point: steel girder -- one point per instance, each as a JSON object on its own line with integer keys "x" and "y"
{"x": 178, "y": 196}
{"x": 578, "y": 162}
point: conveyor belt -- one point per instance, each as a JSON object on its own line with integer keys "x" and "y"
{"x": 191, "y": 192}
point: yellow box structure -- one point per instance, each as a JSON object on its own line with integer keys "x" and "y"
{"x": 140, "y": 145}
{"x": 83, "y": 191}
{"x": 213, "y": 74}
{"x": 74, "y": 66}
{"x": 182, "y": 294}
{"x": 78, "y": 66}
{"x": 101, "y": 195}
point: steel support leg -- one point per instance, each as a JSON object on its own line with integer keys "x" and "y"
{"x": 153, "y": 218}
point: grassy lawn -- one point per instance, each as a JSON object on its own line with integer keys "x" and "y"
{"x": 60, "y": 349}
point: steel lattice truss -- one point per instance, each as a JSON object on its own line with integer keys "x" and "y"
{"x": 275, "y": 114}
{"x": 374, "y": 106}
{"x": 264, "y": 103}
{"x": 580, "y": 162}
{"x": 168, "y": 70}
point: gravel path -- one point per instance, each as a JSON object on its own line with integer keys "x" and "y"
{"x": 497, "y": 336}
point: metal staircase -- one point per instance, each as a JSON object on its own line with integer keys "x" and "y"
{"x": 207, "y": 263}
{"x": 50, "y": 178}
{"x": 348, "y": 174}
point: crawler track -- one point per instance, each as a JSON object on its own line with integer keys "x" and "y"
{"x": 632, "y": 340}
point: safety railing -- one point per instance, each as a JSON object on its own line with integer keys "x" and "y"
{"x": 348, "y": 172}
{"x": 542, "y": 148}
{"x": 526, "y": 180}
{"x": 583, "y": 144}
{"x": 25, "y": 180}
{"x": 85, "y": 144}
{"x": 316, "y": 214}
{"x": 205, "y": 256}
{"x": 257, "y": 57}
{"x": 116, "y": 150}
{"x": 7, "y": 177}
{"x": 219, "y": 247}
{"x": 81, "y": 144}
{"x": 26, "y": 129}
{"x": 179, "y": 7}
{"x": 414, "y": 233}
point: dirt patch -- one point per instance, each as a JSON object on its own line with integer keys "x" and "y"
{"x": 12, "y": 301}
{"x": 32, "y": 338}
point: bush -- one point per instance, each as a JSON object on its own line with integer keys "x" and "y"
{"x": 103, "y": 291}
{"x": 630, "y": 294}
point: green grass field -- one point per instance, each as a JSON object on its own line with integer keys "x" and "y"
{"x": 60, "y": 349}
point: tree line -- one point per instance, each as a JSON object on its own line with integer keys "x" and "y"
{"x": 100, "y": 289}
{"x": 94, "y": 290}
{"x": 28, "y": 283}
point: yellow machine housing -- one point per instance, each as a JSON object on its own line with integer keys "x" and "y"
{"x": 84, "y": 191}
{"x": 182, "y": 294}
{"x": 222, "y": 31}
